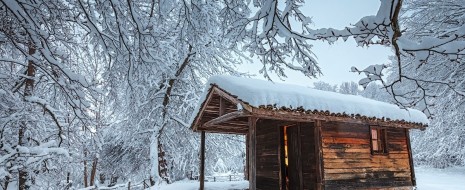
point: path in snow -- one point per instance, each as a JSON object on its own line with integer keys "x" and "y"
{"x": 427, "y": 179}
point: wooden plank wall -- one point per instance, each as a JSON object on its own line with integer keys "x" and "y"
{"x": 252, "y": 152}
{"x": 295, "y": 154}
{"x": 301, "y": 147}
{"x": 307, "y": 135}
{"x": 348, "y": 163}
{"x": 268, "y": 165}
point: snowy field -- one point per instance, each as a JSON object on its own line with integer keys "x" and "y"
{"x": 427, "y": 179}
{"x": 440, "y": 179}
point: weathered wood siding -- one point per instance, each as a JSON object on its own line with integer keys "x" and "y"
{"x": 268, "y": 155}
{"x": 349, "y": 164}
{"x": 301, "y": 146}
{"x": 307, "y": 135}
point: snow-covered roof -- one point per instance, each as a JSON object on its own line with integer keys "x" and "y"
{"x": 258, "y": 93}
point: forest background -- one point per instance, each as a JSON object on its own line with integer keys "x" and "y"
{"x": 95, "y": 92}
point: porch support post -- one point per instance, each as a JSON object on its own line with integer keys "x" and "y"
{"x": 202, "y": 161}
{"x": 246, "y": 168}
{"x": 252, "y": 153}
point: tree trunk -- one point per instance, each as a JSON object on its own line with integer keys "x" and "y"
{"x": 85, "y": 169}
{"x": 29, "y": 86}
{"x": 162, "y": 164}
{"x": 31, "y": 72}
{"x": 7, "y": 181}
{"x": 22, "y": 172}
{"x": 102, "y": 178}
{"x": 152, "y": 181}
{"x": 93, "y": 171}
{"x": 68, "y": 182}
{"x": 113, "y": 181}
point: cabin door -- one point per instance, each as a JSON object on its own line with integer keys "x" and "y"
{"x": 300, "y": 156}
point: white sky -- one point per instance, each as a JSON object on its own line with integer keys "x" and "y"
{"x": 336, "y": 60}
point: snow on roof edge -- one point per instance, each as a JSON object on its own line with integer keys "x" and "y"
{"x": 258, "y": 92}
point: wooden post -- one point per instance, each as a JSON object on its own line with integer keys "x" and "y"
{"x": 222, "y": 107}
{"x": 318, "y": 156}
{"x": 246, "y": 172}
{"x": 409, "y": 149}
{"x": 202, "y": 160}
{"x": 282, "y": 158}
{"x": 252, "y": 153}
{"x": 299, "y": 156}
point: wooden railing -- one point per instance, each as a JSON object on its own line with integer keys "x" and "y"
{"x": 122, "y": 186}
{"x": 225, "y": 178}
{"x": 233, "y": 177}
{"x": 145, "y": 184}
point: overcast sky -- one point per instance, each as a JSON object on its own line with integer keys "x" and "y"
{"x": 336, "y": 60}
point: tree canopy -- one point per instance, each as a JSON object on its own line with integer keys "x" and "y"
{"x": 108, "y": 86}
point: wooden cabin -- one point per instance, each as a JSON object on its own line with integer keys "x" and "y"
{"x": 302, "y": 138}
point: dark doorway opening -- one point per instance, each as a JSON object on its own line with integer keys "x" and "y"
{"x": 298, "y": 156}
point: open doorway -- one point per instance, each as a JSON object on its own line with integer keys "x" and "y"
{"x": 298, "y": 168}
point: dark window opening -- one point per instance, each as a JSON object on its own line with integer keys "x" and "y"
{"x": 378, "y": 140}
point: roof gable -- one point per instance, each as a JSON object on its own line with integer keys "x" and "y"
{"x": 219, "y": 105}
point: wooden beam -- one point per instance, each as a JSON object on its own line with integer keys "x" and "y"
{"x": 195, "y": 124}
{"x": 282, "y": 158}
{"x": 231, "y": 98}
{"x": 225, "y": 95}
{"x": 246, "y": 172}
{"x": 252, "y": 154}
{"x": 202, "y": 161}
{"x": 226, "y": 117}
{"x": 224, "y": 131}
{"x": 318, "y": 156}
{"x": 223, "y": 125}
{"x": 222, "y": 110}
{"x": 409, "y": 149}
{"x": 299, "y": 156}
{"x": 234, "y": 125}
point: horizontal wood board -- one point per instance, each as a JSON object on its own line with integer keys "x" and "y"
{"x": 349, "y": 164}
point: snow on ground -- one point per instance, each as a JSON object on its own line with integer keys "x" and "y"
{"x": 194, "y": 185}
{"x": 427, "y": 179}
{"x": 440, "y": 179}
